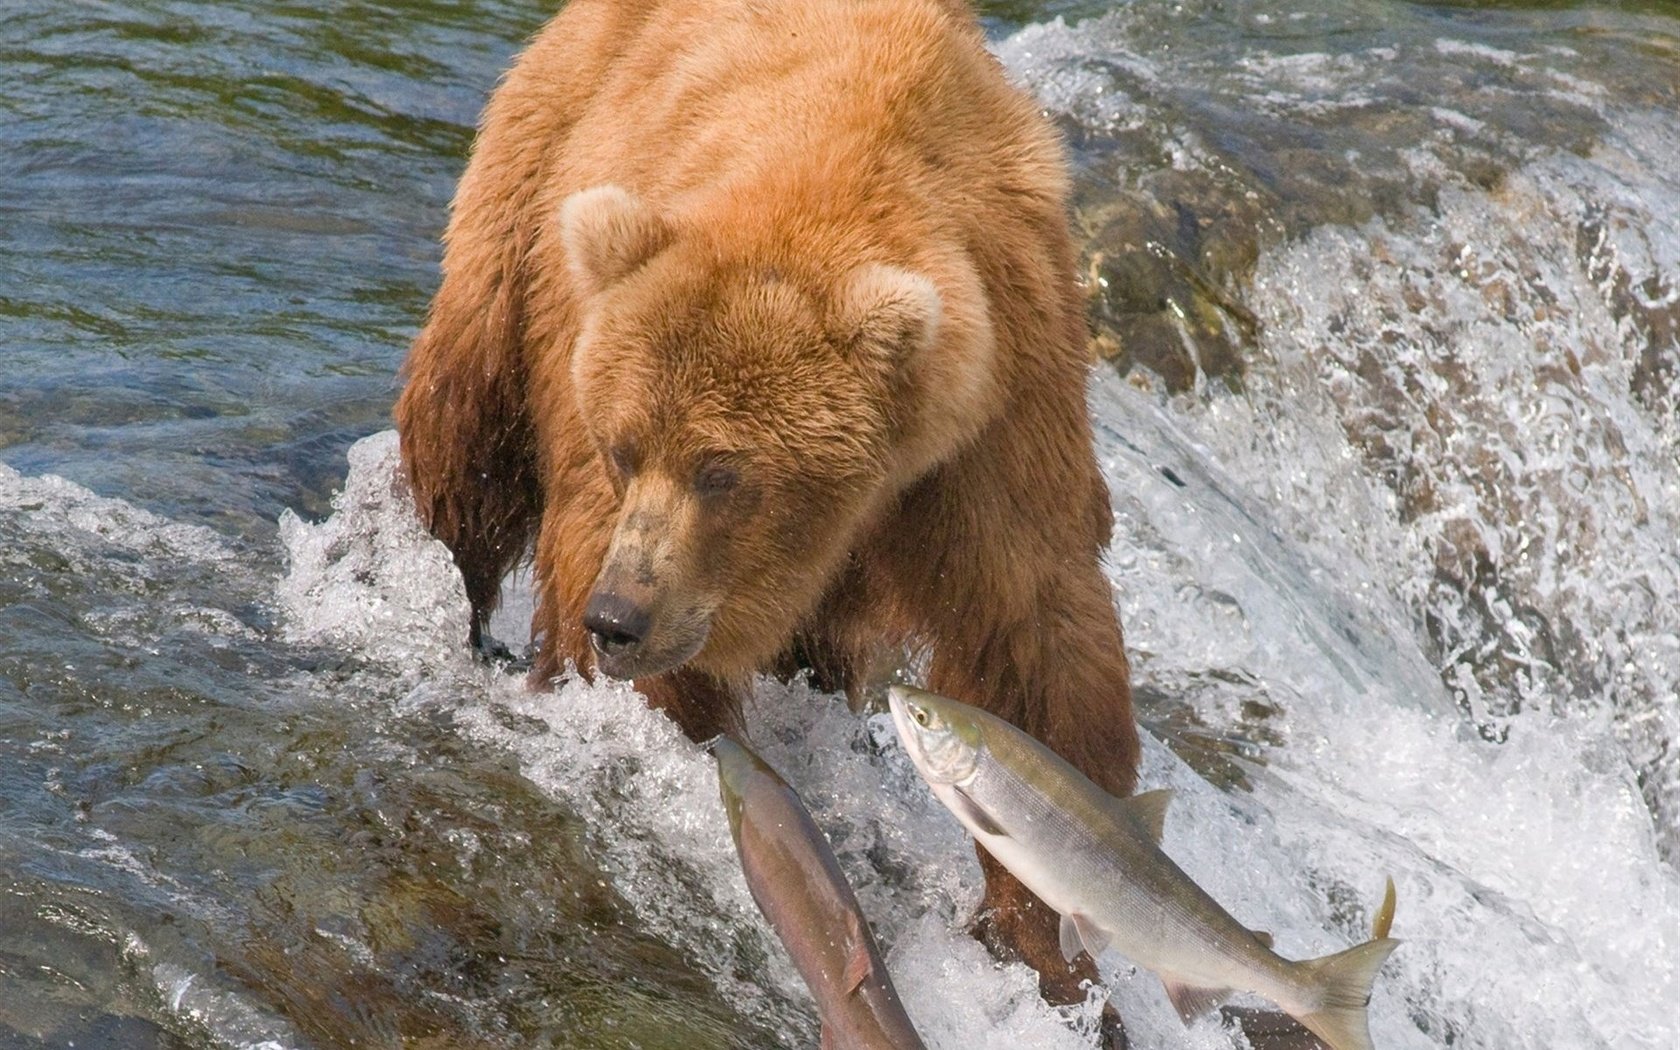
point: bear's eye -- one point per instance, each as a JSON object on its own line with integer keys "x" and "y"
{"x": 716, "y": 479}
{"x": 623, "y": 457}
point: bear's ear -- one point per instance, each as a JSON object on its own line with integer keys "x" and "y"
{"x": 887, "y": 314}
{"x": 607, "y": 233}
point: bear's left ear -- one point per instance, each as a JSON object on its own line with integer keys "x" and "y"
{"x": 607, "y": 233}
{"x": 887, "y": 314}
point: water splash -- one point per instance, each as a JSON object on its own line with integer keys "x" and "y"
{"x": 1357, "y": 776}
{"x": 1483, "y": 386}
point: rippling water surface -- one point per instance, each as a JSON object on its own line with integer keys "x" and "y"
{"x": 1389, "y": 298}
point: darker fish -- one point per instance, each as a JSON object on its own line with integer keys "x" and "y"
{"x": 799, "y": 887}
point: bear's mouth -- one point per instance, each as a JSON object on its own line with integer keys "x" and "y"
{"x": 650, "y": 657}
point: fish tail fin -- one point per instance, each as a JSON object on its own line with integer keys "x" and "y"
{"x": 1345, "y": 980}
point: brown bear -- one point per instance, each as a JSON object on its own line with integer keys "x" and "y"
{"x": 759, "y": 327}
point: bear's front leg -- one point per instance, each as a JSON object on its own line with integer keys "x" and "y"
{"x": 1015, "y": 924}
{"x": 466, "y": 448}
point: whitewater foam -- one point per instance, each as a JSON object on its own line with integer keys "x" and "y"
{"x": 1506, "y": 946}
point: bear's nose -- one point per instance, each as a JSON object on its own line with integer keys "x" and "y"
{"x": 616, "y": 625}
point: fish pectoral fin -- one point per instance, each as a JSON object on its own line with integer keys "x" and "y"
{"x": 858, "y": 963}
{"x": 1079, "y": 933}
{"x": 1078, "y": 927}
{"x": 973, "y": 815}
{"x": 1069, "y": 935}
{"x": 1192, "y": 1002}
{"x": 1149, "y": 810}
{"x": 1262, "y": 936}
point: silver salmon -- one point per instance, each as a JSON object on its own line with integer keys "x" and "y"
{"x": 799, "y": 887}
{"x": 1097, "y": 861}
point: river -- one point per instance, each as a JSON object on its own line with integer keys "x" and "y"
{"x": 1387, "y": 297}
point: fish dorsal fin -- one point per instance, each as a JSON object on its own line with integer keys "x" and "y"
{"x": 1263, "y": 937}
{"x": 1079, "y": 932}
{"x": 1192, "y": 1002}
{"x": 972, "y": 814}
{"x": 1149, "y": 810}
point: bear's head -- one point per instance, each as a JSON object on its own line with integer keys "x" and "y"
{"x": 750, "y": 420}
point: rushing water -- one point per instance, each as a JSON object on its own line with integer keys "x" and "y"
{"x": 1392, "y": 298}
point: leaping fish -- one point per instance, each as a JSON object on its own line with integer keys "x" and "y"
{"x": 799, "y": 887}
{"x": 1097, "y": 861}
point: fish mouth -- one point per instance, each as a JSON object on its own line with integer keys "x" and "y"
{"x": 909, "y": 735}
{"x": 943, "y": 748}
{"x": 735, "y": 767}
{"x": 734, "y": 762}
{"x": 897, "y": 700}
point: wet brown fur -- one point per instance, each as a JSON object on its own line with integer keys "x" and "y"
{"x": 941, "y": 496}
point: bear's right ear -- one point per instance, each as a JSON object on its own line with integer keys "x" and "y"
{"x": 887, "y": 313}
{"x": 607, "y": 233}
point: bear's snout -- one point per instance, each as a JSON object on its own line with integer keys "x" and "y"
{"x": 649, "y": 610}
{"x": 635, "y": 631}
{"x": 616, "y": 624}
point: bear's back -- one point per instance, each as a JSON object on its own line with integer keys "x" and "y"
{"x": 894, "y": 100}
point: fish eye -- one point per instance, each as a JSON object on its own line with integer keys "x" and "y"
{"x": 920, "y": 715}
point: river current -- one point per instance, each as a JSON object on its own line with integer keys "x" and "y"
{"x": 1387, "y": 303}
